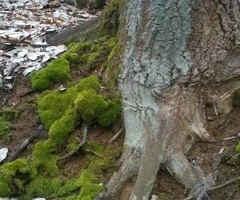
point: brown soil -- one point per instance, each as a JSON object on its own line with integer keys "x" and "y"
{"x": 166, "y": 187}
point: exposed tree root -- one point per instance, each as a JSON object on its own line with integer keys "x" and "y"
{"x": 84, "y": 130}
{"x": 167, "y": 139}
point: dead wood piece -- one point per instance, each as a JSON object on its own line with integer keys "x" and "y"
{"x": 115, "y": 136}
{"x": 25, "y": 143}
{"x": 84, "y": 130}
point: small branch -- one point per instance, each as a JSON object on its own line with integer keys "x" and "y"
{"x": 223, "y": 185}
{"x": 115, "y": 136}
{"x": 25, "y": 143}
{"x": 84, "y": 130}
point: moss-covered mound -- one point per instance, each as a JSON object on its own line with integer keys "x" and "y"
{"x": 58, "y": 71}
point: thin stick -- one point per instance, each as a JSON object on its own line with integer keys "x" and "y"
{"x": 223, "y": 185}
{"x": 115, "y": 136}
{"x": 25, "y": 143}
{"x": 231, "y": 194}
{"x": 84, "y": 130}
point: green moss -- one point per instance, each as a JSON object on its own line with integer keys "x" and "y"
{"x": 73, "y": 143}
{"x": 10, "y": 113}
{"x": 5, "y": 189}
{"x": 43, "y": 187}
{"x": 113, "y": 68}
{"x": 238, "y": 148}
{"x": 94, "y": 58}
{"x": 48, "y": 166}
{"x": 110, "y": 114}
{"x": 69, "y": 187}
{"x": 89, "y": 105}
{"x": 19, "y": 167}
{"x": 89, "y": 188}
{"x": 71, "y": 57}
{"x": 88, "y": 83}
{"x": 4, "y": 128}
{"x": 58, "y": 71}
{"x": 43, "y": 149}
{"x": 110, "y": 43}
{"x": 61, "y": 129}
{"x": 53, "y": 105}
{"x": 110, "y": 18}
{"x": 14, "y": 176}
{"x": 80, "y": 48}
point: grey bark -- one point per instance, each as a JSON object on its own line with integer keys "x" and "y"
{"x": 178, "y": 56}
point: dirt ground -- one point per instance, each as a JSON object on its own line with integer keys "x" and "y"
{"x": 22, "y": 98}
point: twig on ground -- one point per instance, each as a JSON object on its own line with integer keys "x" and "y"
{"x": 25, "y": 143}
{"x": 224, "y": 184}
{"x": 231, "y": 194}
{"x": 115, "y": 136}
{"x": 84, "y": 130}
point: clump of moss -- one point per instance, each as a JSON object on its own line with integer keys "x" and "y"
{"x": 5, "y": 189}
{"x": 61, "y": 129}
{"x": 15, "y": 175}
{"x": 238, "y": 148}
{"x": 68, "y": 188}
{"x": 91, "y": 54}
{"x": 110, "y": 18}
{"x": 71, "y": 57}
{"x": 4, "y": 128}
{"x": 110, "y": 114}
{"x": 43, "y": 187}
{"x": 58, "y": 71}
{"x": 52, "y": 106}
{"x": 87, "y": 183}
{"x": 80, "y": 48}
{"x": 88, "y": 83}
{"x": 89, "y": 105}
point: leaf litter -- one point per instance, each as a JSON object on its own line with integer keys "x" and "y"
{"x": 24, "y": 26}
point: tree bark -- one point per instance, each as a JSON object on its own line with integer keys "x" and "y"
{"x": 179, "y": 55}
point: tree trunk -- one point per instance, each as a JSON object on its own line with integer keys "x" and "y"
{"x": 179, "y": 56}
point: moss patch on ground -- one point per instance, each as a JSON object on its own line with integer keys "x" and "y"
{"x": 60, "y": 112}
{"x": 4, "y": 128}
{"x": 58, "y": 71}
